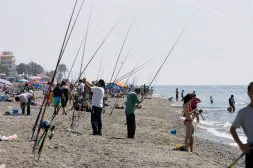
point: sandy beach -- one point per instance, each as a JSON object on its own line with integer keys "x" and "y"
{"x": 152, "y": 147}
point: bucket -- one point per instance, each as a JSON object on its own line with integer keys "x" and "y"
{"x": 174, "y": 132}
{"x": 14, "y": 111}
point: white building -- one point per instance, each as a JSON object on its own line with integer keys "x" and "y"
{"x": 8, "y": 61}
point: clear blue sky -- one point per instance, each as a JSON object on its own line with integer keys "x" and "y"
{"x": 216, "y": 48}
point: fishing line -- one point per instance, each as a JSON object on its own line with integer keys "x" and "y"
{"x": 73, "y": 26}
{"x": 229, "y": 93}
{"x": 123, "y": 62}
{"x": 121, "y": 49}
{"x": 97, "y": 50}
{"x": 99, "y": 69}
{"x": 169, "y": 53}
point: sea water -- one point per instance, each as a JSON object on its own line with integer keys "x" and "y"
{"x": 217, "y": 119}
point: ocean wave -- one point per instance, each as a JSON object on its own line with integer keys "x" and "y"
{"x": 223, "y": 134}
{"x": 177, "y": 104}
{"x": 155, "y": 95}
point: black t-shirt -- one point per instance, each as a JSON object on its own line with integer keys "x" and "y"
{"x": 57, "y": 92}
{"x": 231, "y": 100}
{"x": 65, "y": 91}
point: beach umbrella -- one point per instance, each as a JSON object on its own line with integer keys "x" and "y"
{"x": 23, "y": 80}
{"x": 5, "y": 83}
{"x": 121, "y": 84}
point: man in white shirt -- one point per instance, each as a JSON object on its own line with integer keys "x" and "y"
{"x": 25, "y": 99}
{"x": 81, "y": 89}
{"x": 97, "y": 104}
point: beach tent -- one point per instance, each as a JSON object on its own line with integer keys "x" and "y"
{"x": 113, "y": 86}
{"x": 5, "y": 83}
{"x": 35, "y": 78}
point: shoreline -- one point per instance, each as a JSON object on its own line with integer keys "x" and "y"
{"x": 152, "y": 146}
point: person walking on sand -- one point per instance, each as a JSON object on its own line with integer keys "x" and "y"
{"x": 65, "y": 98}
{"x": 25, "y": 100}
{"x": 131, "y": 103}
{"x": 71, "y": 93}
{"x": 231, "y": 102}
{"x": 244, "y": 119}
{"x": 97, "y": 104}
{"x": 182, "y": 95}
{"x": 177, "y": 94}
{"x": 188, "y": 122}
{"x": 194, "y": 105}
{"x": 57, "y": 92}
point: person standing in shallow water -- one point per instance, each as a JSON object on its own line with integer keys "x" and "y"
{"x": 231, "y": 102}
{"x": 211, "y": 99}
{"x": 131, "y": 103}
{"x": 177, "y": 94}
{"x": 182, "y": 95}
{"x": 65, "y": 98}
{"x": 244, "y": 119}
{"x": 194, "y": 105}
{"x": 188, "y": 122}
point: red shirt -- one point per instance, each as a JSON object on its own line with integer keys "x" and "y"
{"x": 195, "y": 102}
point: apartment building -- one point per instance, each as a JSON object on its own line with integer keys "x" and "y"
{"x": 7, "y": 60}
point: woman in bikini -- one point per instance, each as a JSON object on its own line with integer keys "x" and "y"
{"x": 188, "y": 113}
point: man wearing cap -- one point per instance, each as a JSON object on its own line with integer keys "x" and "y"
{"x": 25, "y": 99}
{"x": 131, "y": 103}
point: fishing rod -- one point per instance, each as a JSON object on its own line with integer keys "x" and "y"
{"x": 162, "y": 63}
{"x": 174, "y": 45}
{"x": 135, "y": 71}
{"x": 99, "y": 69}
{"x": 76, "y": 56}
{"x": 42, "y": 112}
{"x": 121, "y": 50}
{"x": 86, "y": 35}
{"x": 95, "y": 53}
{"x": 102, "y": 72}
{"x": 123, "y": 62}
{"x": 59, "y": 58}
{"x": 73, "y": 26}
{"x": 134, "y": 68}
{"x": 235, "y": 161}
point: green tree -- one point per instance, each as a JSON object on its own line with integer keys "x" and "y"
{"x": 34, "y": 69}
{"x": 22, "y": 68}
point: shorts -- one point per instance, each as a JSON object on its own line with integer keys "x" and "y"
{"x": 57, "y": 101}
{"x": 64, "y": 103}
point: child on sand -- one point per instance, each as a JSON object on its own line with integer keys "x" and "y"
{"x": 188, "y": 113}
{"x": 25, "y": 100}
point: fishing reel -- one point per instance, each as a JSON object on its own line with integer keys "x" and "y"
{"x": 45, "y": 124}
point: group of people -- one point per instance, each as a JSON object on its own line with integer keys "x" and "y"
{"x": 243, "y": 119}
{"x": 61, "y": 94}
